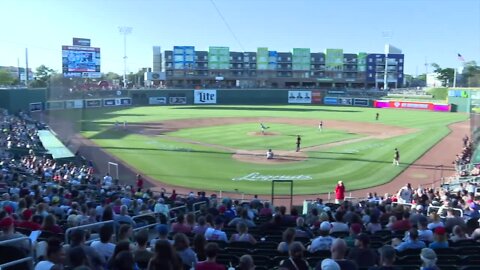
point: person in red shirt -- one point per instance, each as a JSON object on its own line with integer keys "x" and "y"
{"x": 50, "y": 225}
{"x": 27, "y": 223}
{"x": 211, "y": 250}
{"x": 339, "y": 192}
{"x": 139, "y": 181}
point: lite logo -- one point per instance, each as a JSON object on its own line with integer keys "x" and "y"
{"x": 206, "y": 97}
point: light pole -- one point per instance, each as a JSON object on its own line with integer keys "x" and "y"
{"x": 125, "y": 30}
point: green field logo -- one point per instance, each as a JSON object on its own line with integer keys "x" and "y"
{"x": 259, "y": 177}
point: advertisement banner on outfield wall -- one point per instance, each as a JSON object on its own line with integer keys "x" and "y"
{"x": 316, "y": 97}
{"x": 429, "y": 106}
{"x": 177, "y": 100}
{"x": 345, "y": 101}
{"x": 54, "y": 105}
{"x": 300, "y": 97}
{"x": 330, "y": 101}
{"x": 109, "y": 102}
{"x": 205, "y": 96}
{"x": 360, "y": 102}
{"x": 93, "y": 103}
{"x": 36, "y": 107}
{"x": 74, "y": 104}
{"x": 157, "y": 100}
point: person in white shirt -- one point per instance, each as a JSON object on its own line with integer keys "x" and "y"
{"x": 269, "y": 154}
{"x": 104, "y": 247}
{"x": 55, "y": 256}
{"x": 216, "y": 233}
{"x": 405, "y": 194}
{"x": 107, "y": 180}
{"x": 324, "y": 241}
{"x": 161, "y": 207}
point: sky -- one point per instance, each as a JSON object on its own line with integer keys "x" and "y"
{"x": 427, "y": 31}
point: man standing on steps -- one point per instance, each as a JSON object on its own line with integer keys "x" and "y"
{"x": 396, "y": 158}
{"x": 299, "y": 141}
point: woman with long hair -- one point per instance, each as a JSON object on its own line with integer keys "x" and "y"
{"x": 296, "y": 260}
{"x": 50, "y": 224}
{"x": 165, "y": 257}
{"x": 199, "y": 243}
{"x": 288, "y": 238}
{"x": 182, "y": 246}
{"x": 242, "y": 234}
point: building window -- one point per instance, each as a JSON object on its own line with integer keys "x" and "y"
{"x": 313, "y": 59}
{"x": 370, "y": 75}
{"x": 254, "y": 58}
{"x": 400, "y": 68}
{"x": 289, "y": 59}
{"x": 401, "y": 60}
{"x": 279, "y": 58}
{"x": 370, "y": 60}
{"x": 288, "y": 65}
{"x": 239, "y": 58}
{"x": 370, "y": 68}
{"x": 321, "y": 59}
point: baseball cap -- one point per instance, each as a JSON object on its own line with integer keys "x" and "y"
{"x": 364, "y": 238}
{"x": 419, "y": 207}
{"x": 440, "y": 230}
{"x": 222, "y": 209}
{"x": 428, "y": 254}
{"x": 27, "y": 214}
{"x": 6, "y": 222}
{"x": 162, "y": 229}
{"x": 8, "y": 209}
{"x": 329, "y": 264}
{"x": 325, "y": 226}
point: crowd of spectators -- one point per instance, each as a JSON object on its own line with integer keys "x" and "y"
{"x": 146, "y": 230}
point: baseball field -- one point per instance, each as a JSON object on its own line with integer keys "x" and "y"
{"x": 223, "y": 148}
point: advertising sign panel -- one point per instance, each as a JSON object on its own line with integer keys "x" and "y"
{"x": 74, "y": 104}
{"x": 177, "y": 100}
{"x": 81, "y": 42}
{"x": 108, "y": 102}
{"x": 93, "y": 103}
{"x": 330, "y": 101}
{"x": 316, "y": 97}
{"x": 205, "y": 96}
{"x": 362, "y": 62}
{"x": 54, "y": 105}
{"x": 219, "y": 58}
{"x": 300, "y": 97}
{"x": 411, "y": 105}
{"x": 334, "y": 59}
{"x": 157, "y": 100}
{"x": 262, "y": 58}
{"x": 345, "y": 101}
{"x": 301, "y": 59}
{"x": 80, "y": 62}
{"x": 360, "y": 102}
{"x": 35, "y": 107}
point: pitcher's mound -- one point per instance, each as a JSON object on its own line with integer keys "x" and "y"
{"x": 263, "y": 134}
{"x": 260, "y": 156}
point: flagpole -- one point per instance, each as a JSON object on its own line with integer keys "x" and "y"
{"x": 454, "y": 77}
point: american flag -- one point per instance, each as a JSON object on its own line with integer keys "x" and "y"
{"x": 460, "y": 57}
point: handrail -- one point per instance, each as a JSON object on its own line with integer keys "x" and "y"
{"x": 30, "y": 250}
{"x": 146, "y": 214}
{"x": 176, "y": 208}
{"x": 441, "y": 208}
{"x": 195, "y": 205}
{"x": 400, "y": 203}
{"x": 19, "y": 261}
{"x": 67, "y": 232}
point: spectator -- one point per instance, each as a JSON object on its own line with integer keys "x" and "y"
{"x": 436, "y": 222}
{"x": 125, "y": 233}
{"x": 199, "y": 244}
{"x": 182, "y": 246}
{"x": 362, "y": 254}
{"x": 246, "y": 263}
{"x": 55, "y": 256}
{"x": 141, "y": 255}
{"x": 424, "y": 234}
{"x": 242, "y": 234}
{"x": 77, "y": 239}
{"x": 324, "y": 241}
{"x": 243, "y": 217}
{"x": 391, "y": 221}
{"x": 338, "y": 225}
{"x": 339, "y": 192}
{"x": 165, "y": 257}
{"x": 296, "y": 260}
{"x": 440, "y": 239}
{"x": 374, "y": 225}
{"x": 429, "y": 259}
{"x": 329, "y": 264}
{"x": 162, "y": 231}
{"x": 180, "y": 226}
{"x": 27, "y": 221}
{"x": 78, "y": 259}
{"x": 403, "y": 224}
{"x": 338, "y": 251}
{"x": 104, "y": 247}
{"x": 266, "y": 211}
{"x": 412, "y": 242}
{"x": 355, "y": 229}
{"x": 211, "y": 250}
{"x": 288, "y": 238}
{"x": 8, "y": 232}
{"x": 121, "y": 246}
{"x": 301, "y": 230}
{"x": 458, "y": 234}
{"x": 387, "y": 259}
{"x": 49, "y": 225}
{"x": 452, "y": 219}
{"x": 216, "y": 233}
{"x": 201, "y": 226}
{"x": 124, "y": 218}
{"x": 123, "y": 261}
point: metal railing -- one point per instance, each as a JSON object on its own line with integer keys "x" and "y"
{"x": 19, "y": 261}
{"x": 93, "y": 225}
{"x": 441, "y": 209}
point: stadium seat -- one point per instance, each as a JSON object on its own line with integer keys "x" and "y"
{"x": 470, "y": 259}
{"x": 227, "y": 259}
{"x": 467, "y": 250}
{"x": 12, "y": 253}
{"x": 447, "y": 266}
{"x": 448, "y": 259}
{"x": 464, "y": 243}
{"x": 339, "y": 234}
{"x": 262, "y": 260}
{"x": 409, "y": 259}
{"x": 267, "y": 245}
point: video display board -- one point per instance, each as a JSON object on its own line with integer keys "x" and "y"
{"x": 301, "y": 59}
{"x": 80, "y": 62}
{"x": 334, "y": 59}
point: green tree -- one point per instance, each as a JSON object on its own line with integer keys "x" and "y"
{"x": 445, "y": 75}
{"x": 42, "y": 76}
{"x": 6, "y": 78}
{"x": 471, "y": 74}
{"x": 111, "y": 76}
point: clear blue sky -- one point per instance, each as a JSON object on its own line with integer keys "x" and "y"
{"x": 433, "y": 29}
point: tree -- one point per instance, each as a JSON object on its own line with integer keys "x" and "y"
{"x": 471, "y": 74}
{"x": 6, "y": 78}
{"x": 42, "y": 76}
{"x": 110, "y": 76}
{"x": 445, "y": 75}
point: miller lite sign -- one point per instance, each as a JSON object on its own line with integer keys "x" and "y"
{"x": 205, "y": 96}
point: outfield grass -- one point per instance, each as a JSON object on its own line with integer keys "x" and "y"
{"x": 361, "y": 164}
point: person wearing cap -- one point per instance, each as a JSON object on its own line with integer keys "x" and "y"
{"x": 387, "y": 259}
{"x": 7, "y": 227}
{"x": 339, "y": 192}
{"x": 439, "y": 239}
{"x": 338, "y": 250}
{"x": 329, "y": 264}
{"x": 27, "y": 221}
{"x": 216, "y": 233}
{"x": 355, "y": 229}
{"x": 295, "y": 260}
{"x": 362, "y": 254}
{"x": 429, "y": 259}
{"x": 324, "y": 241}
{"x": 162, "y": 231}
{"x": 161, "y": 207}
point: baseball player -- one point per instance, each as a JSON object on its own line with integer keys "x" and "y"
{"x": 299, "y": 141}
{"x": 377, "y": 116}
{"x": 320, "y": 126}
{"x": 263, "y": 128}
{"x": 396, "y": 158}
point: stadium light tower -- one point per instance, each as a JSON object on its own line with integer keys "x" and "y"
{"x": 125, "y": 30}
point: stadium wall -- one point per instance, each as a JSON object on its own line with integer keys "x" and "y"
{"x": 15, "y": 100}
